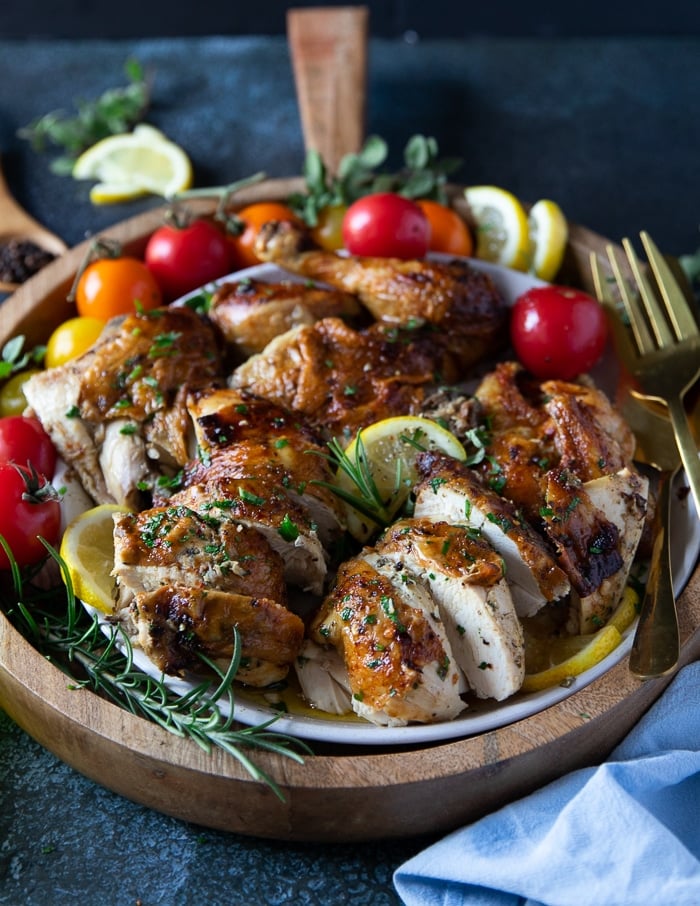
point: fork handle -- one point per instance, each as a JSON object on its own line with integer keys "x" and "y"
{"x": 656, "y": 647}
{"x": 687, "y": 447}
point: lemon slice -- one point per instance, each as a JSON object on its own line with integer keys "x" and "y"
{"x": 384, "y": 454}
{"x": 549, "y": 233}
{"x": 584, "y": 652}
{"x": 502, "y": 230}
{"x": 87, "y": 548}
{"x": 132, "y": 164}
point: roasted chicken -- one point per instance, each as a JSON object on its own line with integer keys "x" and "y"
{"x": 117, "y": 413}
{"x": 458, "y": 305}
{"x": 389, "y": 633}
{"x": 186, "y": 580}
{"x": 339, "y": 379}
{"x": 250, "y": 313}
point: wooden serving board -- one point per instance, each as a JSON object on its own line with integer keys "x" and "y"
{"x": 340, "y": 793}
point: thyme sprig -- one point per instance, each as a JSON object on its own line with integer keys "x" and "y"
{"x": 76, "y": 643}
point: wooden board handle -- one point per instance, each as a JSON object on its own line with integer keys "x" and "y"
{"x": 328, "y": 47}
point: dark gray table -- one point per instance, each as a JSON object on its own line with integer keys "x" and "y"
{"x": 608, "y": 128}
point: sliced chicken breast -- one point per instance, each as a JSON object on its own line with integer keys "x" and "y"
{"x": 388, "y": 631}
{"x": 465, "y": 578}
{"x": 451, "y": 492}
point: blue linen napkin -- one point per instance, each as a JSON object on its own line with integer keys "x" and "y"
{"x": 625, "y": 833}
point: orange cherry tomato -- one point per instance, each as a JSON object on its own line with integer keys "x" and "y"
{"x": 253, "y": 217}
{"x": 116, "y": 286}
{"x": 448, "y": 232}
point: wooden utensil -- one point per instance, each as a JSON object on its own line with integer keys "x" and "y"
{"x": 16, "y": 223}
{"x": 329, "y": 58}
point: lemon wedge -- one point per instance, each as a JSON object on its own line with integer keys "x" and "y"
{"x": 384, "y": 454}
{"x": 87, "y": 548}
{"x": 132, "y": 164}
{"x": 549, "y": 233}
{"x": 579, "y": 653}
{"x": 502, "y": 229}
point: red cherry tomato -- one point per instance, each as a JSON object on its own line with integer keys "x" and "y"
{"x": 386, "y": 225}
{"x": 29, "y": 510}
{"x": 116, "y": 286}
{"x": 558, "y": 332}
{"x": 24, "y": 440}
{"x": 184, "y": 258}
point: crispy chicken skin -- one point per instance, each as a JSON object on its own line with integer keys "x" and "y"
{"x": 535, "y": 428}
{"x": 460, "y": 305}
{"x": 260, "y": 439}
{"x": 389, "y": 634}
{"x": 337, "y": 378}
{"x": 176, "y": 622}
{"x": 250, "y": 313}
{"x": 117, "y": 413}
{"x": 173, "y": 545}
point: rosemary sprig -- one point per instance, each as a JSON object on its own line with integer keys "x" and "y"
{"x": 368, "y": 500}
{"x": 75, "y": 642}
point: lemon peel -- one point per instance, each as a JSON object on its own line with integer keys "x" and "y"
{"x": 132, "y": 164}
{"x": 549, "y": 233}
{"x": 594, "y": 649}
{"x": 502, "y": 230}
{"x": 87, "y": 549}
{"x": 389, "y": 449}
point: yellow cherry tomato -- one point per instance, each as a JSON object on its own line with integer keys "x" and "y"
{"x": 328, "y": 232}
{"x": 12, "y": 398}
{"x": 71, "y": 339}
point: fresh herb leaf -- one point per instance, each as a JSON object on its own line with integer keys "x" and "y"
{"x": 115, "y": 111}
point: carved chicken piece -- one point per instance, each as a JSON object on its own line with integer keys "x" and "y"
{"x": 286, "y": 527}
{"x": 255, "y": 437}
{"x": 388, "y": 632}
{"x": 175, "y": 623}
{"x": 117, "y": 413}
{"x": 323, "y": 678}
{"x": 250, "y": 313}
{"x": 466, "y": 579}
{"x": 451, "y": 492}
{"x": 173, "y": 545}
{"x": 462, "y": 303}
{"x": 592, "y": 438}
{"x": 621, "y": 498}
{"x": 337, "y": 378}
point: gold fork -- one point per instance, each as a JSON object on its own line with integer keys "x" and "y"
{"x": 667, "y": 339}
{"x": 656, "y": 645}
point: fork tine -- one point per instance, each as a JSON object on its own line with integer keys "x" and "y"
{"x": 605, "y": 296}
{"x": 676, "y": 304}
{"x": 643, "y": 338}
{"x": 654, "y": 313}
